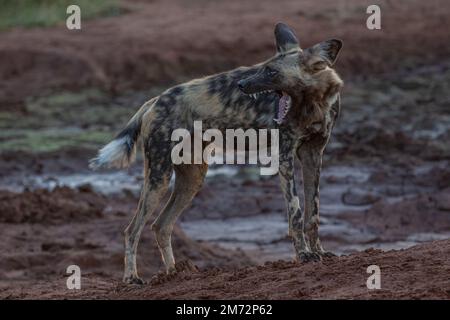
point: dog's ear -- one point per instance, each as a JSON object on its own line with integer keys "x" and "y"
{"x": 328, "y": 50}
{"x": 285, "y": 38}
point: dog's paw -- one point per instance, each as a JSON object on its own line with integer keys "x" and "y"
{"x": 307, "y": 256}
{"x": 133, "y": 280}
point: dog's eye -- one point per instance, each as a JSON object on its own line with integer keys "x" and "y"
{"x": 320, "y": 65}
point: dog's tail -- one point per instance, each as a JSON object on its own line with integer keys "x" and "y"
{"x": 121, "y": 152}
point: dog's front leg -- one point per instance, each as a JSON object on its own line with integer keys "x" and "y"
{"x": 295, "y": 215}
{"x": 310, "y": 154}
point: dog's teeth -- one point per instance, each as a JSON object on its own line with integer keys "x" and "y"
{"x": 279, "y": 121}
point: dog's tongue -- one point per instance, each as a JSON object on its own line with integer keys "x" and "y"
{"x": 282, "y": 105}
{"x": 282, "y": 108}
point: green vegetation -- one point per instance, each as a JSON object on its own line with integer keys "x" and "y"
{"x": 85, "y": 119}
{"x": 85, "y": 109}
{"x": 44, "y": 13}
{"x": 51, "y": 139}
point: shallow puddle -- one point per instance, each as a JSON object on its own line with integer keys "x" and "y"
{"x": 264, "y": 236}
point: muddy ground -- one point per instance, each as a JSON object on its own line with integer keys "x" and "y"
{"x": 335, "y": 278}
{"x": 385, "y": 187}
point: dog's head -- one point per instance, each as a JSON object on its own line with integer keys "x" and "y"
{"x": 293, "y": 71}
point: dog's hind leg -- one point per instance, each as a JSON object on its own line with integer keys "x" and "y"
{"x": 310, "y": 154}
{"x": 155, "y": 187}
{"x": 188, "y": 181}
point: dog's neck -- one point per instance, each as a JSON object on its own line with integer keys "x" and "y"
{"x": 311, "y": 105}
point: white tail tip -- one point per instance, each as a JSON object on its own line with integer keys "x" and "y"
{"x": 115, "y": 154}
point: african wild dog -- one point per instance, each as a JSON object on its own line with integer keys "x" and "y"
{"x": 295, "y": 91}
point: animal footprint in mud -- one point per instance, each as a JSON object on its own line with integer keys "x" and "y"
{"x": 186, "y": 266}
{"x": 183, "y": 267}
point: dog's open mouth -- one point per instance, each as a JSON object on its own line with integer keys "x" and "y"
{"x": 284, "y": 104}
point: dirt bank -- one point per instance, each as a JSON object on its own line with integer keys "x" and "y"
{"x": 43, "y": 232}
{"x": 425, "y": 213}
{"x": 420, "y": 272}
{"x": 162, "y": 42}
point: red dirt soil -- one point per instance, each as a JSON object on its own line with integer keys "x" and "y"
{"x": 420, "y": 272}
{"x": 162, "y": 42}
{"x": 43, "y": 232}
